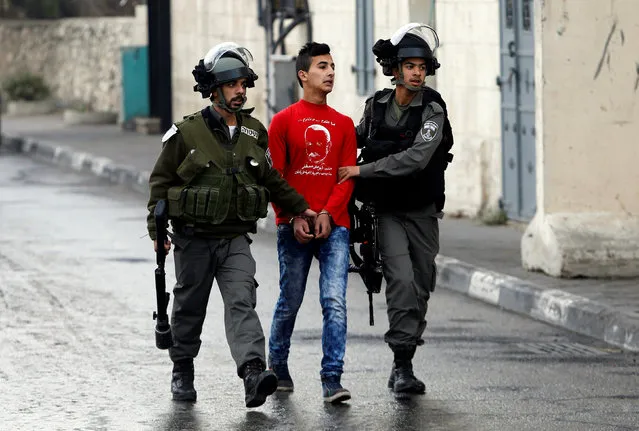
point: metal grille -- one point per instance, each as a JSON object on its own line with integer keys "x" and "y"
{"x": 562, "y": 349}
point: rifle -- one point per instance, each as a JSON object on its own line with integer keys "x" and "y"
{"x": 368, "y": 264}
{"x": 163, "y": 337}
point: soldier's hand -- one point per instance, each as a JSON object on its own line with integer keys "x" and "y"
{"x": 310, "y": 215}
{"x": 302, "y": 230}
{"x": 323, "y": 225}
{"x": 346, "y": 172}
{"x": 167, "y": 246}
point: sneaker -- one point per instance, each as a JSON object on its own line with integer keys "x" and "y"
{"x": 182, "y": 382}
{"x": 284, "y": 380}
{"x": 258, "y": 383}
{"x": 333, "y": 392}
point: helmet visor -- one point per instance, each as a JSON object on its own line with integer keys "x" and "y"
{"x": 422, "y": 31}
{"x": 211, "y": 57}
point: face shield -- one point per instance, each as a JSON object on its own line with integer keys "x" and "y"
{"x": 211, "y": 72}
{"x": 211, "y": 57}
{"x": 422, "y": 31}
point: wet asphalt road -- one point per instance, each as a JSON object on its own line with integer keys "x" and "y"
{"x": 77, "y": 348}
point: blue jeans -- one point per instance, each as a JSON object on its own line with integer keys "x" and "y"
{"x": 295, "y": 261}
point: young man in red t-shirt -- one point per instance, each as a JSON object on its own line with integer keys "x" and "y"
{"x": 308, "y": 142}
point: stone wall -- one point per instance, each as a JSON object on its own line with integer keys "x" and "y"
{"x": 79, "y": 58}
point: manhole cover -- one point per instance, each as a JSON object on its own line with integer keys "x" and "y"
{"x": 562, "y": 349}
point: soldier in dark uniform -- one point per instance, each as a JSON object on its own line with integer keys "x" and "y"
{"x": 405, "y": 137}
{"x": 217, "y": 179}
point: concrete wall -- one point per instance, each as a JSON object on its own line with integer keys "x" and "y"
{"x": 589, "y": 107}
{"x": 79, "y": 58}
{"x": 469, "y": 54}
{"x": 587, "y": 81}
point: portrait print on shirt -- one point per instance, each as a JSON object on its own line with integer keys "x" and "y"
{"x": 318, "y": 143}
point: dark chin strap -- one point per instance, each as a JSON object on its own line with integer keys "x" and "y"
{"x": 400, "y": 81}
{"x": 222, "y": 102}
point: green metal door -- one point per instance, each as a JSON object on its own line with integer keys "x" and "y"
{"x": 135, "y": 83}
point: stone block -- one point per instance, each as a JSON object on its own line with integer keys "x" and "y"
{"x": 582, "y": 244}
{"x": 26, "y": 108}
{"x": 73, "y": 117}
{"x": 148, "y": 125}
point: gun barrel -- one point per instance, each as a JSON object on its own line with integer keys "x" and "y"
{"x": 160, "y": 291}
{"x": 163, "y": 338}
{"x": 371, "y": 317}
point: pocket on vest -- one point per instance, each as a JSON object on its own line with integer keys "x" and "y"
{"x": 197, "y": 204}
{"x": 252, "y": 202}
{"x": 192, "y": 164}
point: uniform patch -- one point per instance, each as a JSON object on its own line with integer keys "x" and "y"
{"x": 252, "y": 133}
{"x": 429, "y": 131}
{"x": 269, "y": 160}
{"x": 172, "y": 131}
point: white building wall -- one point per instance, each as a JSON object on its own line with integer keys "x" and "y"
{"x": 469, "y": 54}
{"x": 469, "y": 32}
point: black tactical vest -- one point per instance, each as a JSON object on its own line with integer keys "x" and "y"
{"x": 414, "y": 191}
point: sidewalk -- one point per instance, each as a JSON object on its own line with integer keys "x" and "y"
{"x": 480, "y": 261}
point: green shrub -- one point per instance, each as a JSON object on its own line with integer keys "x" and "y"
{"x": 494, "y": 216}
{"x": 26, "y": 86}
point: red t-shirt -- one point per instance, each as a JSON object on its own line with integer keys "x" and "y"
{"x": 308, "y": 143}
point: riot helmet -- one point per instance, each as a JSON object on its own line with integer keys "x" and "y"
{"x": 225, "y": 62}
{"x": 413, "y": 40}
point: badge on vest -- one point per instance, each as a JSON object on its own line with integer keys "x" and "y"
{"x": 250, "y": 132}
{"x": 429, "y": 130}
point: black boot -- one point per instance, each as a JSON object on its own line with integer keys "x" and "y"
{"x": 258, "y": 383}
{"x": 402, "y": 380}
{"x": 182, "y": 381}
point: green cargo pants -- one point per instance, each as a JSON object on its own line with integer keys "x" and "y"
{"x": 409, "y": 242}
{"x": 198, "y": 261}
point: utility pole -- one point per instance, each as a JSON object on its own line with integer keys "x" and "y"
{"x": 159, "y": 30}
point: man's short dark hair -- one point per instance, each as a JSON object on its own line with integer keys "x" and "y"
{"x": 306, "y": 54}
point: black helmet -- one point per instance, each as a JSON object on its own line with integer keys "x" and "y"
{"x": 411, "y": 40}
{"x": 224, "y": 63}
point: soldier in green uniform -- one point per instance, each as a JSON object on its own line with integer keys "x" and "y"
{"x": 217, "y": 179}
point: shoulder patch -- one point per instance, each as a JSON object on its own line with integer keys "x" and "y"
{"x": 429, "y": 130}
{"x": 269, "y": 159}
{"x": 172, "y": 131}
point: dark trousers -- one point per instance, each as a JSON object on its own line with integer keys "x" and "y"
{"x": 198, "y": 261}
{"x": 409, "y": 242}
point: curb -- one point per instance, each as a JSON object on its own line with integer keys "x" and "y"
{"x": 552, "y": 306}
{"x": 102, "y": 167}
{"x": 65, "y": 157}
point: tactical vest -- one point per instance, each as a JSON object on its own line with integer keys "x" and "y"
{"x": 409, "y": 192}
{"x": 220, "y": 184}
